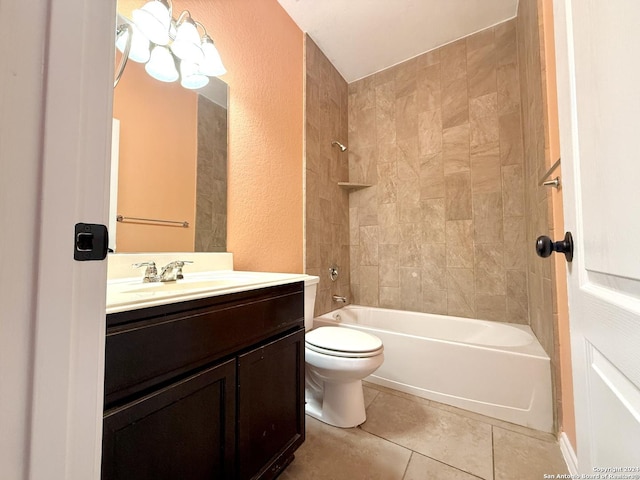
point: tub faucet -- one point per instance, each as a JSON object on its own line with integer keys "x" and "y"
{"x": 339, "y": 299}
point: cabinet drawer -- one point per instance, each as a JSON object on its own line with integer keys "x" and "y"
{"x": 142, "y": 354}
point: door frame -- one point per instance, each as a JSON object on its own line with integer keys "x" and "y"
{"x": 69, "y": 326}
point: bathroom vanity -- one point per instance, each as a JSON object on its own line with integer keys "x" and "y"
{"x": 205, "y": 388}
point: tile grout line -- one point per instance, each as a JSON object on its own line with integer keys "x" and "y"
{"x": 407, "y": 467}
{"x": 493, "y": 455}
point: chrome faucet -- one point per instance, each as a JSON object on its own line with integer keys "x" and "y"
{"x": 339, "y": 299}
{"x": 169, "y": 273}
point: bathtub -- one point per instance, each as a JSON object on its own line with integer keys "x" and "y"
{"x": 492, "y": 368}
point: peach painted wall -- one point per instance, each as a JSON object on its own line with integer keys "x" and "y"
{"x": 561, "y": 310}
{"x": 262, "y": 49}
{"x": 157, "y": 167}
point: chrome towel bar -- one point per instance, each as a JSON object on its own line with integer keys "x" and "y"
{"x": 123, "y": 219}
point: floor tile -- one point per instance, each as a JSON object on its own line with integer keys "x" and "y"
{"x": 453, "y": 439}
{"x": 369, "y": 395}
{"x": 425, "y": 468}
{"x": 523, "y": 457}
{"x": 331, "y": 453}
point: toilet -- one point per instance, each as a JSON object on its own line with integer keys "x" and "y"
{"x": 337, "y": 359}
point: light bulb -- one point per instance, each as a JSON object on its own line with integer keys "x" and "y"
{"x": 154, "y": 20}
{"x": 139, "y": 51}
{"x": 186, "y": 45}
{"x": 212, "y": 63}
{"x": 190, "y": 77}
{"x": 161, "y": 65}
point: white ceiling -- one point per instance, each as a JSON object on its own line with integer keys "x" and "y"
{"x": 361, "y": 37}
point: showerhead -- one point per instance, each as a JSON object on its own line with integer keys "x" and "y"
{"x": 339, "y": 145}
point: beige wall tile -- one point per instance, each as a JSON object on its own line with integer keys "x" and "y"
{"x": 430, "y": 132}
{"x": 490, "y": 275}
{"x": 409, "y": 201}
{"x": 481, "y": 70}
{"x": 458, "y": 196}
{"x": 410, "y": 239}
{"x": 433, "y": 220}
{"x": 511, "y": 149}
{"x": 434, "y": 267}
{"x": 369, "y": 285}
{"x": 369, "y": 245}
{"x": 508, "y": 88}
{"x": 515, "y": 255}
{"x": 479, "y": 40}
{"x": 513, "y": 190}
{"x": 429, "y": 90}
{"x": 390, "y": 297}
{"x": 460, "y": 292}
{"x": 487, "y": 218}
{"x": 455, "y": 102}
{"x": 505, "y": 39}
{"x": 455, "y": 149}
{"x": 459, "y": 243}
{"x": 389, "y": 259}
{"x": 432, "y": 177}
{"x": 517, "y": 297}
{"x": 453, "y": 61}
{"x": 491, "y": 307}
{"x": 387, "y": 182}
{"x": 429, "y": 58}
{"x": 411, "y": 289}
{"x": 485, "y": 169}
{"x": 406, "y": 116}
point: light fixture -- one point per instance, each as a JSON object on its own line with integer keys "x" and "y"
{"x": 161, "y": 42}
{"x": 161, "y": 65}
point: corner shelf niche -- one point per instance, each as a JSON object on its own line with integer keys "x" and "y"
{"x": 352, "y": 185}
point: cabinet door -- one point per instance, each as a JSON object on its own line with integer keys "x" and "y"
{"x": 270, "y": 406}
{"x": 183, "y": 431}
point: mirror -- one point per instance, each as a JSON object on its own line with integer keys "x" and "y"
{"x": 169, "y": 165}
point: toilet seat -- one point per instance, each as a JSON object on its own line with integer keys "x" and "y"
{"x": 343, "y": 342}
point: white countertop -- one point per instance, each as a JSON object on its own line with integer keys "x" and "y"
{"x": 131, "y": 293}
{"x": 209, "y": 275}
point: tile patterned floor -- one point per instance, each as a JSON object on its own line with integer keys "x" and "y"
{"x": 410, "y": 438}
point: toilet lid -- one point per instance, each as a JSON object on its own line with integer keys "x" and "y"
{"x": 343, "y": 342}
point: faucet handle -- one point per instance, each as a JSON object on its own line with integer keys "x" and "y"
{"x": 178, "y": 265}
{"x": 150, "y": 272}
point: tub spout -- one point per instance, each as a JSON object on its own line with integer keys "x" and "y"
{"x": 339, "y": 299}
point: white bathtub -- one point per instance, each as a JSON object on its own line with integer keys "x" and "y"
{"x": 496, "y": 369}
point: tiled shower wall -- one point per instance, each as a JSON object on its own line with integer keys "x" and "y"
{"x": 441, "y": 229}
{"x": 327, "y": 205}
{"x": 541, "y": 281}
{"x": 211, "y": 188}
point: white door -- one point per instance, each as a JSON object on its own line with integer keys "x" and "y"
{"x": 598, "y": 61}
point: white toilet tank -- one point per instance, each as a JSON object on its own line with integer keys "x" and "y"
{"x": 310, "y": 288}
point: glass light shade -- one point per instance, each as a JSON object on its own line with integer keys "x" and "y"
{"x": 139, "y": 51}
{"x": 212, "y": 63}
{"x": 186, "y": 45}
{"x": 161, "y": 65}
{"x": 190, "y": 77}
{"x": 154, "y": 20}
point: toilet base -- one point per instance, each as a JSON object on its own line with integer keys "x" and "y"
{"x": 340, "y": 404}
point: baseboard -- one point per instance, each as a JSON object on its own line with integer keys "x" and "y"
{"x": 568, "y": 453}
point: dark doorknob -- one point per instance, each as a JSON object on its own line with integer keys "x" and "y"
{"x": 545, "y": 246}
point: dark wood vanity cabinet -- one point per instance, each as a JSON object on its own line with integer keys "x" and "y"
{"x": 206, "y": 389}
